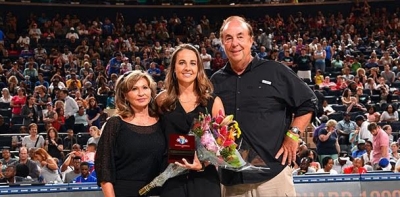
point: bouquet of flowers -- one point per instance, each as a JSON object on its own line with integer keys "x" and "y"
{"x": 215, "y": 140}
{"x": 215, "y": 143}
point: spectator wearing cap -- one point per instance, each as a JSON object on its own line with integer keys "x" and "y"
{"x": 72, "y": 33}
{"x": 324, "y": 119}
{"x": 342, "y": 162}
{"x": 344, "y": 128}
{"x": 327, "y": 144}
{"x": 360, "y": 151}
{"x": 356, "y": 168}
{"x": 114, "y": 65}
{"x": 304, "y": 167}
{"x": 15, "y": 71}
{"x": 380, "y": 144}
{"x": 362, "y": 124}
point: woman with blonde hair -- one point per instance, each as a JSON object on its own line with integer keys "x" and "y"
{"x": 130, "y": 152}
{"x": 361, "y": 74}
{"x": 48, "y": 166}
{"x": 328, "y": 144}
{"x": 188, "y": 92}
{"x": 5, "y": 96}
{"x": 59, "y": 104}
{"x": 95, "y": 134}
{"x": 13, "y": 85}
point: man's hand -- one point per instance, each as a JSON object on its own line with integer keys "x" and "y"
{"x": 288, "y": 149}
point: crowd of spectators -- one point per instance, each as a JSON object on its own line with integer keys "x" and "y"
{"x": 58, "y": 73}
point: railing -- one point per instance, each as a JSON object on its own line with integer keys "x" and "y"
{"x": 6, "y": 140}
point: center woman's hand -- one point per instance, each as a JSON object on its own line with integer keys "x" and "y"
{"x": 196, "y": 165}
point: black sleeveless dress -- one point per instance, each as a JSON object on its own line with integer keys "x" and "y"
{"x": 192, "y": 184}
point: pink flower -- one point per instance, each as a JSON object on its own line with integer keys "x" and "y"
{"x": 208, "y": 141}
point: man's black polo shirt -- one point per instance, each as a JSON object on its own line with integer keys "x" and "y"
{"x": 262, "y": 99}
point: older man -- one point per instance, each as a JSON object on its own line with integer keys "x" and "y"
{"x": 273, "y": 107}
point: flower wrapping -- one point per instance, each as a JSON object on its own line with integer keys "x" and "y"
{"x": 215, "y": 143}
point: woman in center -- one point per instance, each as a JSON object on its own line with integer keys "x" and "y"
{"x": 188, "y": 92}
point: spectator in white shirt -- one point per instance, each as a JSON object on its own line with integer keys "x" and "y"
{"x": 23, "y": 40}
{"x": 206, "y": 61}
{"x": 342, "y": 162}
{"x": 72, "y": 33}
{"x": 70, "y": 108}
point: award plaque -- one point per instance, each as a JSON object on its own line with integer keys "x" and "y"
{"x": 181, "y": 146}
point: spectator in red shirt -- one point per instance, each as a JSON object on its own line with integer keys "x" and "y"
{"x": 356, "y": 168}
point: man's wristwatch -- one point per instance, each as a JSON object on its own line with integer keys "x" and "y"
{"x": 295, "y": 130}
